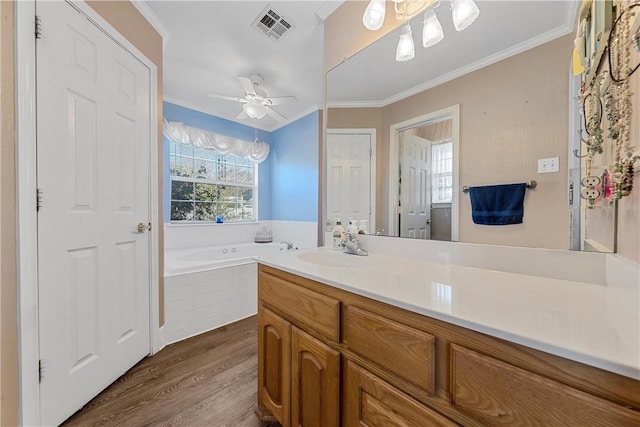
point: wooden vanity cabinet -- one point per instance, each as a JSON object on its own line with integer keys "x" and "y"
{"x": 315, "y": 382}
{"x": 328, "y": 357}
{"x": 371, "y": 402}
{"x": 274, "y": 361}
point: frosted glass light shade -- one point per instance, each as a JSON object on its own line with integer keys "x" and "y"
{"x": 463, "y": 12}
{"x": 406, "y": 49}
{"x": 374, "y": 15}
{"x": 432, "y": 30}
{"x": 255, "y": 110}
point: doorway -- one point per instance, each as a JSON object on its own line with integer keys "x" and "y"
{"x": 87, "y": 255}
{"x": 423, "y": 176}
{"x": 351, "y": 177}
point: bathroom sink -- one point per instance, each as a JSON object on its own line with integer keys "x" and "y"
{"x": 331, "y": 258}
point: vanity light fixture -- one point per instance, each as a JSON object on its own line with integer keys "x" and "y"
{"x": 374, "y": 15}
{"x": 405, "y": 50}
{"x": 463, "y": 13}
{"x": 432, "y": 32}
{"x": 255, "y": 110}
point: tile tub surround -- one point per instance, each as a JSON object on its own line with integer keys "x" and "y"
{"x": 206, "y": 300}
{"x": 183, "y": 236}
{"x": 593, "y": 323}
{"x": 198, "y": 301}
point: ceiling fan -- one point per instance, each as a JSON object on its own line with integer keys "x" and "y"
{"x": 255, "y": 103}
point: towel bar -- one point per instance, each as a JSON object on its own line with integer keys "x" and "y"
{"x": 530, "y": 185}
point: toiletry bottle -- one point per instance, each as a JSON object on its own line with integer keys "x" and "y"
{"x": 338, "y": 234}
{"x": 352, "y": 228}
{"x": 363, "y": 228}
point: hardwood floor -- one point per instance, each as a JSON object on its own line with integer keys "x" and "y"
{"x": 207, "y": 380}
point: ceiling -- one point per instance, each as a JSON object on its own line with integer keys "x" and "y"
{"x": 208, "y": 44}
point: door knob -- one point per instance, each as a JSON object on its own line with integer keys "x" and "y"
{"x": 141, "y": 227}
{"x": 428, "y": 221}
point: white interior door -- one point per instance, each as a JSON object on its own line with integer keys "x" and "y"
{"x": 93, "y": 142}
{"x": 415, "y": 197}
{"x": 349, "y": 175}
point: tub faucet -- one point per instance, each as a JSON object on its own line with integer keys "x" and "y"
{"x": 288, "y": 243}
{"x": 351, "y": 245}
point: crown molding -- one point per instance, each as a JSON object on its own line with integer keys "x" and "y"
{"x": 252, "y": 124}
{"x": 304, "y": 113}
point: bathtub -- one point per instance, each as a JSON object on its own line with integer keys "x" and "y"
{"x": 182, "y": 261}
{"x": 206, "y": 288}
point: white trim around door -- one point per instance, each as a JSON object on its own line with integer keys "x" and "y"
{"x": 25, "y": 65}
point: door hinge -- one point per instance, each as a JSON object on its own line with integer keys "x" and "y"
{"x": 40, "y": 370}
{"x": 38, "y": 27}
{"x": 38, "y": 199}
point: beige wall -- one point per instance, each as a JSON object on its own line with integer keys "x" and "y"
{"x": 128, "y": 21}
{"x": 8, "y": 294}
{"x": 511, "y": 115}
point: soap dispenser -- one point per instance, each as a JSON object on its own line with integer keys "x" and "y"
{"x": 338, "y": 235}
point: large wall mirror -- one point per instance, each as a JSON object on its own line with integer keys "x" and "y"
{"x": 481, "y": 107}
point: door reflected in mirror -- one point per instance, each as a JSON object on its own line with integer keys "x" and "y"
{"x": 425, "y": 184}
{"x": 351, "y": 179}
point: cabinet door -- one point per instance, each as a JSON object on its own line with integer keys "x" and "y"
{"x": 315, "y": 382}
{"x": 370, "y": 402}
{"x": 274, "y": 364}
{"x": 499, "y": 394}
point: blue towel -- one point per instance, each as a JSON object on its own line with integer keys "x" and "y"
{"x": 497, "y": 204}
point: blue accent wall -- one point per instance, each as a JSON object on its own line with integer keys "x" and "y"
{"x": 287, "y": 180}
{"x": 197, "y": 119}
{"x": 294, "y": 170}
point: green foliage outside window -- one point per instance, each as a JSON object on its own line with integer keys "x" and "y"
{"x": 206, "y": 184}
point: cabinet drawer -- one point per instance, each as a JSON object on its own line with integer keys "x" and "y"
{"x": 498, "y": 393}
{"x": 370, "y": 402}
{"x": 316, "y": 312}
{"x": 403, "y": 350}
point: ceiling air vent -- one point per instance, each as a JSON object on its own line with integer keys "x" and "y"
{"x": 272, "y": 24}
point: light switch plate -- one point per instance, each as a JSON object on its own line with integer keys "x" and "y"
{"x": 548, "y": 165}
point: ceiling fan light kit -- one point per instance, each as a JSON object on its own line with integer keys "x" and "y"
{"x": 256, "y": 104}
{"x": 463, "y": 13}
{"x": 255, "y": 110}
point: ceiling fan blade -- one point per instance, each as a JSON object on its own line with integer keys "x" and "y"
{"x": 275, "y": 115}
{"x": 242, "y": 115}
{"x": 279, "y": 100}
{"x": 225, "y": 97}
{"x": 247, "y": 85}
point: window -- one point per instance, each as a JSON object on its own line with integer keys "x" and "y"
{"x": 206, "y": 184}
{"x": 442, "y": 172}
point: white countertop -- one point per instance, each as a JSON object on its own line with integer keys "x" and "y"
{"x": 594, "y": 324}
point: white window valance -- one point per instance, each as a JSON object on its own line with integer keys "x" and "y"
{"x": 256, "y": 151}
